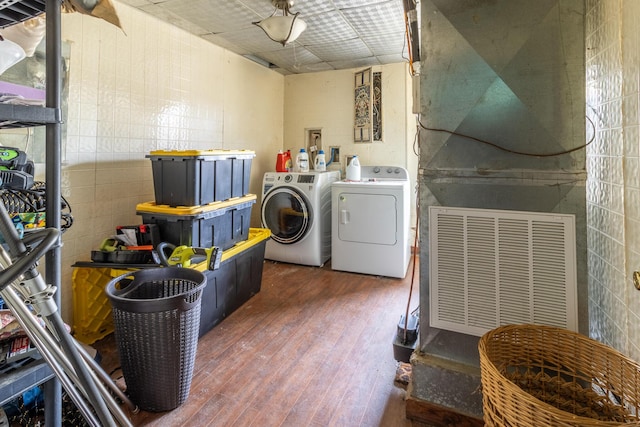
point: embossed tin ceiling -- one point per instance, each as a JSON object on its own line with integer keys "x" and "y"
{"x": 340, "y": 34}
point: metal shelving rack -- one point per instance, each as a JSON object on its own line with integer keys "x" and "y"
{"x": 12, "y": 116}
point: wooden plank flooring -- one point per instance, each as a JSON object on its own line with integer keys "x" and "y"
{"x": 313, "y": 348}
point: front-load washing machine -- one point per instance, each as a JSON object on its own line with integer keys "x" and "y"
{"x": 370, "y": 222}
{"x": 296, "y": 207}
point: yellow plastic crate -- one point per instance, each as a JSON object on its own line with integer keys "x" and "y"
{"x": 91, "y": 309}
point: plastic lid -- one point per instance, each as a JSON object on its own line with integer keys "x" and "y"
{"x": 321, "y": 152}
{"x": 197, "y": 153}
{"x": 302, "y": 150}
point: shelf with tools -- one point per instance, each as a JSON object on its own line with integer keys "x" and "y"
{"x": 16, "y": 380}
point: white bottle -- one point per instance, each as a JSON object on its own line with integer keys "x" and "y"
{"x": 321, "y": 163}
{"x": 302, "y": 161}
{"x": 353, "y": 169}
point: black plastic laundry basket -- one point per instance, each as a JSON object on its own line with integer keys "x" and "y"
{"x": 156, "y": 315}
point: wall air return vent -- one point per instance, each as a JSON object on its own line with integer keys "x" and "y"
{"x": 492, "y": 267}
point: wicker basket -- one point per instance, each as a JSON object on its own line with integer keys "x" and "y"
{"x": 156, "y": 315}
{"x": 544, "y": 376}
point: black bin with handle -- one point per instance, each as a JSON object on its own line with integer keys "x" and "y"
{"x": 156, "y": 315}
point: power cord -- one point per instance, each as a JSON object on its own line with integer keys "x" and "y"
{"x": 522, "y": 153}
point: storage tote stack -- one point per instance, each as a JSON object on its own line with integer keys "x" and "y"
{"x": 201, "y": 197}
{"x": 202, "y": 200}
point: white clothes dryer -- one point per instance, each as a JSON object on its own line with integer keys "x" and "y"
{"x": 370, "y": 222}
{"x": 296, "y": 207}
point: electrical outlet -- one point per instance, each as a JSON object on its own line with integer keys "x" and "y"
{"x": 314, "y": 139}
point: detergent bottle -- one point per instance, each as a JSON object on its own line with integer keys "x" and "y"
{"x": 288, "y": 161}
{"x": 353, "y": 169}
{"x": 281, "y": 162}
{"x": 302, "y": 161}
{"x": 321, "y": 162}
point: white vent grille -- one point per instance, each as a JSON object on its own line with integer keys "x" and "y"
{"x": 491, "y": 267}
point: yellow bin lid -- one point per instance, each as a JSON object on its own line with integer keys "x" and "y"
{"x": 222, "y": 154}
{"x": 151, "y": 207}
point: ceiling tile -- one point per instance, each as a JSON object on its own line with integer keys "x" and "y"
{"x": 262, "y": 8}
{"x": 290, "y": 58}
{"x": 387, "y": 44}
{"x": 348, "y": 4}
{"x": 355, "y": 63}
{"x": 327, "y": 27}
{"x": 393, "y": 59}
{"x": 308, "y": 7}
{"x": 314, "y": 68}
{"x": 344, "y": 50}
{"x": 382, "y": 18}
{"x": 215, "y": 16}
{"x": 252, "y": 39}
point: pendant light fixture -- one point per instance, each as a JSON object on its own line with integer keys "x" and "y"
{"x": 10, "y": 54}
{"x": 283, "y": 28}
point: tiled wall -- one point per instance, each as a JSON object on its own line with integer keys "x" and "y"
{"x": 613, "y": 167}
{"x": 151, "y": 86}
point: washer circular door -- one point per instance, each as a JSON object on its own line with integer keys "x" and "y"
{"x": 287, "y": 213}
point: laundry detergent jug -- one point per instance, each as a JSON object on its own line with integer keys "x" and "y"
{"x": 302, "y": 161}
{"x": 353, "y": 169}
{"x": 321, "y": 163}
{"x": 289, "y": 161}
{"x": 281, "y": 162}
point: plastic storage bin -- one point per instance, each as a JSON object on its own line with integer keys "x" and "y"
{"x": 156, "y": 314}
{"x": 238, "y": 278}
{"x": 221, "y": 224}
{"x": 192, "y": 177}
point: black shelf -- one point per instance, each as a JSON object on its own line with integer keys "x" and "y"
{"x": 13, "y": 12}
{"x": 23, "y": 378}
{"x": 18, "y": 116}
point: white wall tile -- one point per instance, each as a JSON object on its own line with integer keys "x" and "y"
{"x": 613, "y": 32}
{"x": 154, "y": 87}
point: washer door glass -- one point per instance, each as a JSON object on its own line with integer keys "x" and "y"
{"x": 287, "y": 214}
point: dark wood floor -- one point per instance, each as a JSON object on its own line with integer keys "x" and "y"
{"x": 313, "y": 348}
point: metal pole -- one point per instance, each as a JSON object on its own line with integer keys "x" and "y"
{"x": 52, "y": 389}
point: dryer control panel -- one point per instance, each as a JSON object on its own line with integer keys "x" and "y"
{"x": 383, "y": 172}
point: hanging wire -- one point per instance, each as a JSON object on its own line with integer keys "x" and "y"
{"x": 34, "y": 200}
{"x": 407, "y": 32}
{"x": 522, "y": 153}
